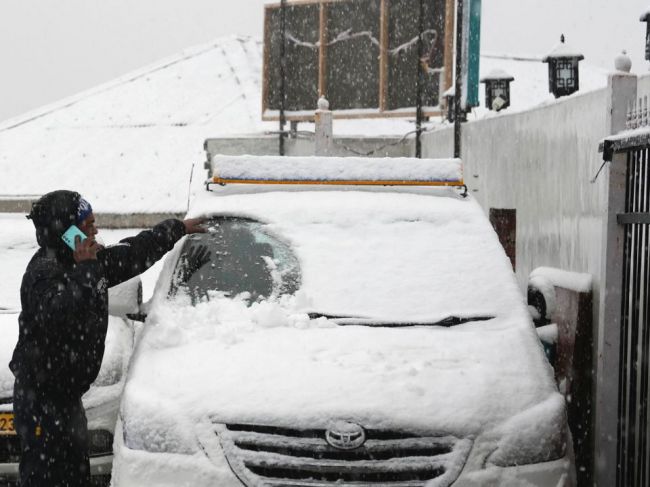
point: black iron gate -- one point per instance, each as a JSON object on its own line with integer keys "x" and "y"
{"x": 633, "y": 455}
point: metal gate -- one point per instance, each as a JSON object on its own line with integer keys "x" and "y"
{"x": 633, "y": 448}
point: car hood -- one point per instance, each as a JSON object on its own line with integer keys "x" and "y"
{"x": 459, "y": 380}
{"x": 119, "y": 343}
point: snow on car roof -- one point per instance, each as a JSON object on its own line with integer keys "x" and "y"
{"x": 337, "y": 170}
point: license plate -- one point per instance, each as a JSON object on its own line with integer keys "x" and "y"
{"x": 7, "y": 424}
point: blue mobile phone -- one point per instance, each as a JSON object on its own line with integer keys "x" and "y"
{"x": 70, "y": 235}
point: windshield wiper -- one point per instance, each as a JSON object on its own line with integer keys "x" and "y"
{"x": 447, "y": 322}
{"x": 314, "y": 316}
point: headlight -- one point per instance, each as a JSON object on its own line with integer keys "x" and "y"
{"x": 536, "y": 435}
{"x": 100, "y": 442}
{"x": 154, "y": 435}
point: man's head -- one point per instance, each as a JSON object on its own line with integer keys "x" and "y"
{"x": 53, "y": 214}
{"x": 86, "y": 219}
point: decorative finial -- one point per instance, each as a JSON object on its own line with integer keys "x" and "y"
{"x": 323, "y": 104}
{"x": 623, "y": 62}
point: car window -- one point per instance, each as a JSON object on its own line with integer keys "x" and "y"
{"x": 236, "y": 256}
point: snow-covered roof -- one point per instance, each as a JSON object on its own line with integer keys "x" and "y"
{"x": 563, "y": 50}
{"x": 131, "y": 144}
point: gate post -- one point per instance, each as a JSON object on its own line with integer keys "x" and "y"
{"x": 622, "y": 89}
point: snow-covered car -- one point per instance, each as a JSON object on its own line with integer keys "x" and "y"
{"x": 339, "y": 334}
{"x": 101, "y": 402}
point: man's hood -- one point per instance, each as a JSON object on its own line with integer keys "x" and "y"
{"x": 52, "y": 214}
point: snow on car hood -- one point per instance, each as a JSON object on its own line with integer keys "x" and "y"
{"x": 383, "y": 256}
{"x": 118, "y": 345}
{"x": 268, "y": 364}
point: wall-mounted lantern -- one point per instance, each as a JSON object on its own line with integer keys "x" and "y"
{"x": 497, "y": 89}
{"x": 646, "y": 18}
{"x": 450, "y": 100}
{"x": 563, "y": 70}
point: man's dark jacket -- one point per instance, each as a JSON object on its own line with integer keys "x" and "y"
{"x": 65, "y": 304}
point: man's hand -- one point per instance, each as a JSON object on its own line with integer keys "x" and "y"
{"x": 86, "y": 250}
{"x": 193, "y": 225}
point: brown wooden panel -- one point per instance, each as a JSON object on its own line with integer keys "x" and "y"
{"x": 361, "y": 54}
{"x": 352, "y": 54}
{"x": 504, "y": 222}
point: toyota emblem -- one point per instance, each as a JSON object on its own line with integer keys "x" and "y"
{"x": 345, "y": 435}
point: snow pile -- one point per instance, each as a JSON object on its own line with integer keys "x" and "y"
{"x": 336, "y": 169}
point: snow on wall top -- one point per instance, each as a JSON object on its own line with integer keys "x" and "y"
{"x": 276, "y": 168}
{"x": 563, "y": 50}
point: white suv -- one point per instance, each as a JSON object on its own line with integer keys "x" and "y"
{"x": 339, "y": 334}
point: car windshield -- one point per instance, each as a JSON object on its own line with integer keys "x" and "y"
{"x": 236, "y": 257}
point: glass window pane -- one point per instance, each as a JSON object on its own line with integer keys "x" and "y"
{"x": 236, "y": 256}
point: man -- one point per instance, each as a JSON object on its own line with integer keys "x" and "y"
{"x": 63, "y": 323}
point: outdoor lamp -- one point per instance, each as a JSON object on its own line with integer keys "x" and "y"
{"x": 563, "y": 70}
{"x": 646, "y": 18}
{"x": 497, "y": 89}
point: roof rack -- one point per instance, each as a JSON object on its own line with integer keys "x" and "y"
{"x": 338, "y": 171}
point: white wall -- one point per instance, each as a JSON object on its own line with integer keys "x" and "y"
{"x": 540, "y": 162}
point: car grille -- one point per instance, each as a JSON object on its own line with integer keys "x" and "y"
{"x": 100, "y": 443}
{"x": 270, "y": 456}
{"x": 9, "y": 449}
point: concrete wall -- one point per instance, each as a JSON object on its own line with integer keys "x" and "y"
{"x": 304, "y": 146}
{"x": 541, "y": 162}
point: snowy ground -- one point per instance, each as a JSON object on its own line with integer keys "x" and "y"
{"x": 18, "y": 244}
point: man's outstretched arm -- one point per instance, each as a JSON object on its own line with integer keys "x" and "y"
{"x": 134, "y": 255}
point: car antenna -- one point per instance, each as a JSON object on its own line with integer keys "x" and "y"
{"x": 189, "y": 188}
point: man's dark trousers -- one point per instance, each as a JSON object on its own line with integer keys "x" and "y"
{"x": 55, "y": 438}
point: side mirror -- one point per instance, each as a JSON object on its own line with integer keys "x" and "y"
{"x": 541, "y": 300}
{"x": 541, "y": 304}
{"x": 124, "y": 300}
